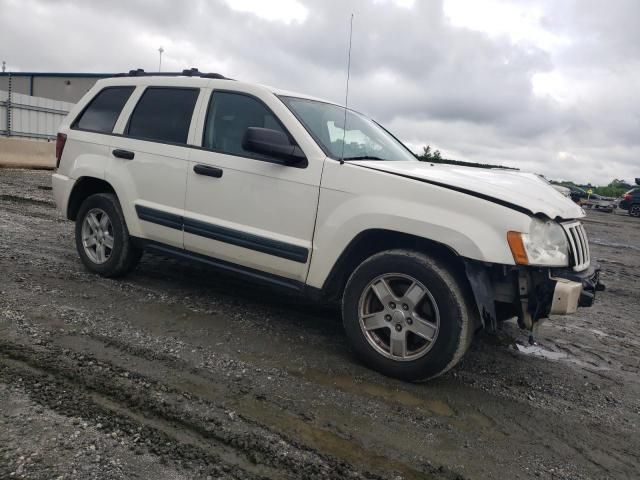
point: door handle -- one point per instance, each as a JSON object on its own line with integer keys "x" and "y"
{"x": 126, "y": 154}
{"x": 208, "y": 171}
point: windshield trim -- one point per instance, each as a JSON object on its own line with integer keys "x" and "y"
{"x": 317, "y": 140}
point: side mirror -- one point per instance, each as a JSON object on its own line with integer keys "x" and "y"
{"x": 272, "y": 143}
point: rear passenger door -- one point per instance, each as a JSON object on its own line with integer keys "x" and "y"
{"x": 149, "y": 160}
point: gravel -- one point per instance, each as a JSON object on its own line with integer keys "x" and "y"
{"x": 178, "y": 372}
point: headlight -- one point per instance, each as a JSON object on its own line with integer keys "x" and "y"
{"x": 545, "y": 244}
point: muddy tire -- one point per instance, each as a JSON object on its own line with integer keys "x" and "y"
{"x": 634, "y": 210}
{"x": 102, "y": 237}
{"x": 407, "y": 315}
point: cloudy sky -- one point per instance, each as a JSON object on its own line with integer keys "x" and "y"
{"x": 551, "y": 86}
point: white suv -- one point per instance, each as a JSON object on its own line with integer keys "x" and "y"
{"x": 301, "y": 194}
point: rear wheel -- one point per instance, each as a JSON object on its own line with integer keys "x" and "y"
{"x": 102, "y": 237}
{"x": 634, "y": 210}
{"x": 407, "y": 315}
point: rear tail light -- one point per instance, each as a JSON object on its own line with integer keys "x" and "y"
{"x": 627, "y": 196}
{"x": 61, "y": 139}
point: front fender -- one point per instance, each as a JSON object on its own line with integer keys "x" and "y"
{"x": 366, "y": 199}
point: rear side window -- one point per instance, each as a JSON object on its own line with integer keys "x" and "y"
{"x": 163, "y": 114}
{"x": 229, "y": 116}
{"x": 102, "y": 112}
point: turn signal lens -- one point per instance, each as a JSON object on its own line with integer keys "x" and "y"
{"x": 517, "y": 248}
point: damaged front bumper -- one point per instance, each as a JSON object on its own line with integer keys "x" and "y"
{"x": 530, "y": 293}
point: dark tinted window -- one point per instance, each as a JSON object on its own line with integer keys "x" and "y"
{"x": 163, "y": 114}
{"x": 103, "y": 111}
{"x": 229, "y": 116}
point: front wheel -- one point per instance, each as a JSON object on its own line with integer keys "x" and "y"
{"x": 407, "y": 315}
{"x": 102, "y": 237}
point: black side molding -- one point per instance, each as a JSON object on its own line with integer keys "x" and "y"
{"x": 224, "y": 234}
{"x": 246, "y": 240}
{"x": 159, "y": 217}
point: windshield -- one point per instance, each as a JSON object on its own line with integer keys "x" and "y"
{"x": 363, "y": 139}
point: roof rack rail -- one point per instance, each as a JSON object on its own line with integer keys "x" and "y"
{"x": 188, "y": 72}
{"x": 194, "y": 72}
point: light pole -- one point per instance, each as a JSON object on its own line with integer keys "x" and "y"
{"x": 160, "y": 50}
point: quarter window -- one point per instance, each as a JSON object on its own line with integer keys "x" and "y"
{"x": 229, "y": 116}
{"x": 102, "y": 112}
{"x": 163, "y": 114}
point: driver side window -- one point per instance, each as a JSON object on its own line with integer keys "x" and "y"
{"x": 228, "y": 117}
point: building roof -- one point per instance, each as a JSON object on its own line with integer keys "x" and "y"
{"x": 77, "y": 75}
{"x": 55, "y": 74}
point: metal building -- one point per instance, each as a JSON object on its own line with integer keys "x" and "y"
{"x": 64, "y": 87}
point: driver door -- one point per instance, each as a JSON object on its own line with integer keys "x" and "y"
{"x": 242, "y": 208}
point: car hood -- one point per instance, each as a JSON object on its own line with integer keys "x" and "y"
{"x": 514, "y": 189}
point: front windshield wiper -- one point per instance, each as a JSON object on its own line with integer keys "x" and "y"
{"x": 363, "y": 157}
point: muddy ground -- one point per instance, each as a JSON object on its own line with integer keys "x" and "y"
{"x": 176, "y": 372}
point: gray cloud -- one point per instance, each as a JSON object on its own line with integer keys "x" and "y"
{"x": 467, "y": 92}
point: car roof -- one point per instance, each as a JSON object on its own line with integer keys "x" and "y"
{"x": 203, "y": 82}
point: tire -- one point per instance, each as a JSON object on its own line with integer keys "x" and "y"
{"x": 453, "y": 315}
{"x": 119, "y": 256}
{"x": 634, "y": 210}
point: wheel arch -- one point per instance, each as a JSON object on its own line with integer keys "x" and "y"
{"x": 372, "y": 241}
{"x": 82, "y": 189}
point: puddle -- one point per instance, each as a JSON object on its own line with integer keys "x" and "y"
{"x": 351, "y": 385}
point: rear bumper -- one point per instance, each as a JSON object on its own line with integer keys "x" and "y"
{"x": 574, "y": 289}
{"x": 62, "y": 186}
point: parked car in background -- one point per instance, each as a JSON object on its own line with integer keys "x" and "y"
{"x": 592, "y": 201}
{"x": 630, "y": 201}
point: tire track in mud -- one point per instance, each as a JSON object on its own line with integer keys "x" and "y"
{"x": 180, "y": 425}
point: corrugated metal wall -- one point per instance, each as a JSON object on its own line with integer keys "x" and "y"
{"x": 31, "y": 117}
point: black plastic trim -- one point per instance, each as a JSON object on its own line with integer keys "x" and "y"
{"x": 246, "y": 240}
{"x": 224, "y": 234}
{"x": 208, "y": 171}
{"x": 228, "y": 267}
{"x": 124, "y": 154}
{"x": 159, "y": 217}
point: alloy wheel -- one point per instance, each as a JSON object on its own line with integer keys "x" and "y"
{"x": 399, "y": 317}
{"x": 97, "y": 236}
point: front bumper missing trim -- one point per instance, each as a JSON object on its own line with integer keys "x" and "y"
{"x": 569, "y": 283}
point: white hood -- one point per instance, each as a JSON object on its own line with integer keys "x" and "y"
{"x": 524, "y": 190}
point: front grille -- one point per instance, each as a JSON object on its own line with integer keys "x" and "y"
{"x": 578, "y": 245}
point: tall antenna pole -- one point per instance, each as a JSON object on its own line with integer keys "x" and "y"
{"x": 346, "y": 95}
{"x": 160, "y": 50}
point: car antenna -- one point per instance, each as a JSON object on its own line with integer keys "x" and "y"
{"x": 346, "y": 95}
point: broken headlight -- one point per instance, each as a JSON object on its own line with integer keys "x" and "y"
{"x": 545, "y": 245}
